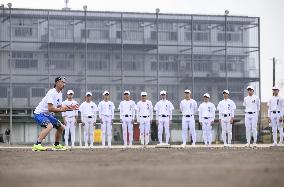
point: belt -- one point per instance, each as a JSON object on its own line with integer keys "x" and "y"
{"x": 251, "y": 112}
{"x": 90, "y": 116}
{"x": 206, "y": 117}
{"x": 144, "y": 116}
{"x": 126, "y": 115}
{"x": 274, "y": 112}
{"x": 187, "y": 116}
{"x": 163, "y": 115}
{"x": 226, "y": 115}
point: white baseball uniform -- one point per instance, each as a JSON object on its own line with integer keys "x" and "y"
{"x": 275, "y": 111}
{"x": 226, "y": 109}
{"x": 88, "y": 115}
{"x": 106, "y": 114}
{"x": 252, "y": 107}
{"x": 188, "y": 108}
{"x": 144, "y": 117}
{"x": 164, "y": 109}
{"x": 71, "y": 118}
{"x": 127, "y": 116}
{"x": 206, "y": 118}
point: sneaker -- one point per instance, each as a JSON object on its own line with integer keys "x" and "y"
{"x": 39, "y": 147}
{"x": 59, "y": 147}
{"x": 280, "y": 143}
{"x": 254, "y": 145}
{"x": 274, "y": 144}
{"x": 183, "y": 145}
{"x": 229, "y": 145}
{"x": 247, "y": 145}
{"x": 193, "y": 144}
{"x": 225, "y": 145}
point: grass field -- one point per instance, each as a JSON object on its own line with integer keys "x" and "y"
{"x": 137, "y": 167}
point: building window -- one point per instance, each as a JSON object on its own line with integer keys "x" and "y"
{"x": 98, "y": 62}
{"x": 61, "y": 60}
{"x": 153, "y": 35}
{"x": 24, "y": 60}
{"x": 20, "y": 92}
{"x": 38, "y": 92}
{"x": 3, "y": 92}
{"x": 187, "y": 36}
{"x": 23, "y": 32}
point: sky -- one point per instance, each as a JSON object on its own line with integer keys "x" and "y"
{"x": 271, "y": 13}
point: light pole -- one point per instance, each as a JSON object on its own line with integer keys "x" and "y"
{"x": 86, "y": 47}
{"x": 226, "y": 50}
{"x": 10, "y": 71}
{"x": 157, "y": 43}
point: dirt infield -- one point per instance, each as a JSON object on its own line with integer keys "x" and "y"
{"x": 172, "y": 167}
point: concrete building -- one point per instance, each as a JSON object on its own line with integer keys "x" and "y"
{"x": 115, "y": 51}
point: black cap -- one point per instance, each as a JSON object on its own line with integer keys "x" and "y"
{"x": 59, "y": 78}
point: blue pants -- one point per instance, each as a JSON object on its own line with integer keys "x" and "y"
{"x": 44, "y": 119}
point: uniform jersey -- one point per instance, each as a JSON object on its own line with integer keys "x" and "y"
{"x": 251, "y": 104}
{"x": 206, "y": 110}
{"x": 88, "y": 109}
{"x": 127, "y": 108}
{"x": 226, "y": 107}
{"x": 71, "y": 113}
{"x": 188, "y": 107}
{"x": 276, "y": 104}
{"x": 144, "y": 109}
{"x": 164, "y": 107}
{"x": 53, "y": 97}
{"x": 106, "y": 108}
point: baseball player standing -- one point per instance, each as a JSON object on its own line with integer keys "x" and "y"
{"x": 70, "y": 118}
{"x": 127, "y": 109}
{"x": 206, "y": 118}
{"x": 43, "y": 115}
{"x": 188, "y": 108}
{"x": 164, "y": 109}
{"x": 252, "y": 107}
{"x": 106, "y": 115}
{"x": 226, "y": 109}
{"x": 144, "y": 118}
{"x": 275, "y": 115}
{"x": 88, "y": 111}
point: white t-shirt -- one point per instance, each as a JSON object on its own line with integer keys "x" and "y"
{"x": 226, "y": 106}
{"x": 71, "y": 113}
{"x": 88, "y": 109}
{"x": 275, "y": 103}
{"x": 127, "y": 108}
{"x": 206, "y": 109}
{"x": 164, "y": 107}
{"x": 106, "y": 108}
{"x": 252, "y": 103}
{"x": 53, "y": 97}
{"x": 188, "y": 107}
{"x": 144, "y": 109}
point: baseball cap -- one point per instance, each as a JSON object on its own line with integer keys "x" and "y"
{"x": 70, "y": 92}
{"x": 250, "y": 88}
{"x": 89, "y": 93}
{"x": 275, "y": 88}
{"x": 59, "y": 78}
{"x": 143, "y": 93}
{"x": 187, "y": 91}
{"x": 226, "y": 91}
{"x": 163, "y": 92}
{"x": 106, "y": 93}
{"x": 206, "y": 95}
{"x": 126, "y": 92}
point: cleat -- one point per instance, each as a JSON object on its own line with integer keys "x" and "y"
{"x": 59, "y": 147}
{"x": 39, "y": 147}
{"x": 247, "y": 145}
{"x": 183, "y": 145}
{"x": 254, "y": 145}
